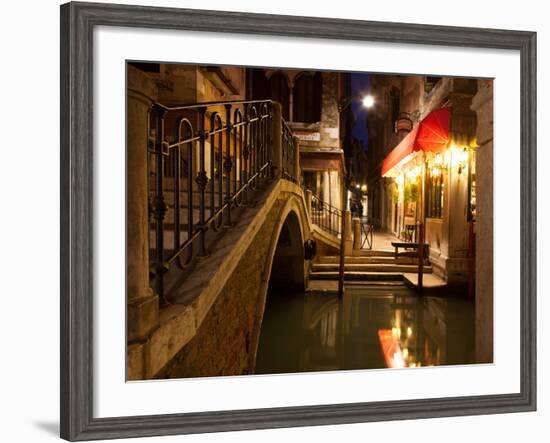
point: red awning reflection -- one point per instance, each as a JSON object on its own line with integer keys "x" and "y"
{"x": 391, "y": 349}
{"x": 430, "y": 135}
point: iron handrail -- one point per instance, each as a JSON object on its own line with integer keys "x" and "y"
{"x": 326, "y": 216}
{"x": 186, "y": 244}
{"x": 204, "y": 161}
{"x": 288, "y": 153}
{"x": 210, "y": 104}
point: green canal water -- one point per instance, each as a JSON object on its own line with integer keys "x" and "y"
{"x": 369, "y": 328}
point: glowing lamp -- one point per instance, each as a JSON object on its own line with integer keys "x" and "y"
{"x": 368, "y": 101}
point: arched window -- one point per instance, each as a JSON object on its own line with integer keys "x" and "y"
{"x": 280, "y": 92}
{"x": 307, "y": 98}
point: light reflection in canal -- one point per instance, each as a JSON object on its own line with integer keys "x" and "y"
{"x": 371, "y": 327}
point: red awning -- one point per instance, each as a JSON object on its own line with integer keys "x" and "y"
{"x": 430, "y": 135}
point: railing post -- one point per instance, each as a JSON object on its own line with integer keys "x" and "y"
{"x": 245, "y": 151}
{"x": 297, "y": 170}
{"x": 346, "y": 219}
{"x": 277, "y": 145}
{"x": 142, "y": 304}
{"x": 159, "y": 204}
{"x": 308, "y": 196}
{"x": 202, "y": 181}
{"x": 228, "y": 164}
{"x": 356, "y": 236}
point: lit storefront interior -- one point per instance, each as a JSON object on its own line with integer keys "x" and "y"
{"x": 433, "y": 176}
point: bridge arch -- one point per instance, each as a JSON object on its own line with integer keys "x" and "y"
{"x": 221, "y": 309}
{"x": 286, "y": 260}
{"x": 287, "y": 268}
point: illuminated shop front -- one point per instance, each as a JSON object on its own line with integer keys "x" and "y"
{"x": 433, "y": 172}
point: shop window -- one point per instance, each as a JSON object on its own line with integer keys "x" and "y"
{"x": 280, "y": 92}
{"x": 410, "y": 196}
{"x": 434, "y": 193}
{"x": 307, "y": 98}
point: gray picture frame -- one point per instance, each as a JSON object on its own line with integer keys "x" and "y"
{"x": 77, "y": 23}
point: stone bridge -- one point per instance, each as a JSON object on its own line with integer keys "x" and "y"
{"x": 223, "y": 193}
{"x": 212, "y": 326}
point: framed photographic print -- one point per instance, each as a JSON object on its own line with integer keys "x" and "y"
{"x": 273, "y": 221}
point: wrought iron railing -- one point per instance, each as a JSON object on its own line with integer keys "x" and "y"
{"x": 288, "y": 154}
{"x": 326, "y": 216}
{"x": 206, "y": 160}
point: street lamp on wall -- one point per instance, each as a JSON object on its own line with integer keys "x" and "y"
{"x": 457, "y": 157}
{"x": 367, "y": 100}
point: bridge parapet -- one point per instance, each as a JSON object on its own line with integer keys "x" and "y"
{"x": 209, "y": 171}
{"x": 218, "y": 309}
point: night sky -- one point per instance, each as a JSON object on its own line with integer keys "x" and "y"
{"x": 360, "y": 84}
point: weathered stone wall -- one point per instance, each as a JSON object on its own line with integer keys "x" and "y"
{"x": 222, "y": 344}
{"x": 143, "y": 304}
{"x": 226, "y": 341}
{"x": 330, "y": 117}
{"x": 483, "y": 105}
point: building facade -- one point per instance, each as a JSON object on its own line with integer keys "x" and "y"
{"x": 310, "y": 102}
{"x": 422, "y": 158}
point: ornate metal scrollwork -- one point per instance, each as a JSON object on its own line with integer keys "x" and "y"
{"x": 159, "y": 207}
{"x": 201, "y": 180}
{"x": 227, "y": 164}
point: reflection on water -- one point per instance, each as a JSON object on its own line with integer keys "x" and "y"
{"x": 371, "y": 327}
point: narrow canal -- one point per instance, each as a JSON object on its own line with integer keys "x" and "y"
{"x": 369, "y": 328}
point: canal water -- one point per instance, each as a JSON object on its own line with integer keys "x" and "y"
{"x": 371, "y": 327}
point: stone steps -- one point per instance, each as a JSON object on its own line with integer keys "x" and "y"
{"x": 362, "y": 267}
{"x": 376, "y": 253}
{"x": 332, "y": 285}
{"x": 357, "y": 275}
{"x": 370, "y": 266}
{"x": 332, "y": 259}
{"x": 429, "y": 282}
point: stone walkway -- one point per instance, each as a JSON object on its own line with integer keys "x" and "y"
{"x": 429, "y": 281}
{"x": 381, "y": 241}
